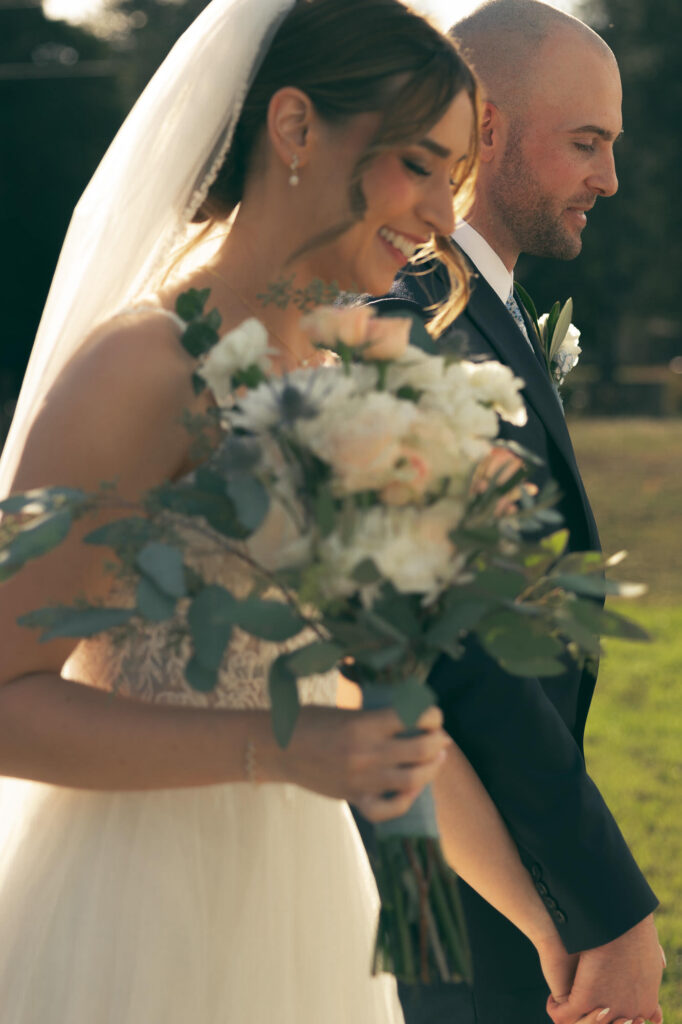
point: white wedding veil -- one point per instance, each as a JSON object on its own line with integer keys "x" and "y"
{"x": 149, "y": 185}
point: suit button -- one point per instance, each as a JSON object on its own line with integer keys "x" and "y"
{"x": 559, "y": 917}
{"x": 536, "y": 871}
{"x": 542, "y": 888}
{"x": 550, "y": 903}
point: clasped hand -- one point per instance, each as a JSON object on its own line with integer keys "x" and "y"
{"x": 616, "y": 983}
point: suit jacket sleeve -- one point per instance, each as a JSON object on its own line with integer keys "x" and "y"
{"x": 530, "y": 760}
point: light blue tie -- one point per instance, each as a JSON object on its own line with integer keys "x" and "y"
{"x": 513, "y": 307}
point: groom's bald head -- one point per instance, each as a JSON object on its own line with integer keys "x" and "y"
{"x": 551, "y": 113}
{"x": 505, "y": 42}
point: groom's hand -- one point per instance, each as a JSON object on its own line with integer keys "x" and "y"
{"x": 624, "y": 975}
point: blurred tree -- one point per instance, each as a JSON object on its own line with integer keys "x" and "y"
{"x": 64, "y": 90}
{"x": 628, "y": 271}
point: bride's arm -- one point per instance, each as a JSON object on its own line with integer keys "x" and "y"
{"x": 478, "y": 846}
{"x": 116, "y": 414}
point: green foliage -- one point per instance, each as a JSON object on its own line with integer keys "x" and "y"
{"x": 163, "y": 565}
{"x": 74, "y": 622}
{"x": 284, "y": 699}
{"x": 211, "y": 617}
{"x": 41, "y": 535}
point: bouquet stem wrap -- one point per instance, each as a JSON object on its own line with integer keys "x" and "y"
{"x": 421, "y": 935}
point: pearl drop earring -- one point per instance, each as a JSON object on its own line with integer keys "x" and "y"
{"x": 293, "y": 167}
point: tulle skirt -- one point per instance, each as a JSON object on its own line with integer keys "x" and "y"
{"x": 232, "y": 904}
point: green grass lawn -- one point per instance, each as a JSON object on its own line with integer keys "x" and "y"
{"x": 633, "y": 473}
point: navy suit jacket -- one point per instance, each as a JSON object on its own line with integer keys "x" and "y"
{"x": 524, "y": 736}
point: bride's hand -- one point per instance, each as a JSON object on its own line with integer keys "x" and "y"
{"x": 558, "y": 967}
{"x": 361, "y": 757}
{"x": 498, "y": 467}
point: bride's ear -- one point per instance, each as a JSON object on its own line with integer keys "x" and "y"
{"x": 290, "y": 126}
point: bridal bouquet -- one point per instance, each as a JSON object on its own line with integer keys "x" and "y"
{"x": 395, "y": 537}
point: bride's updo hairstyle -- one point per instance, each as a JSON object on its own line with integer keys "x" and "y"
{"x": 353, "y": 57}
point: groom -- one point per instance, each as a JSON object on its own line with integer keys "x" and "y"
{"x": 552, "y": 112}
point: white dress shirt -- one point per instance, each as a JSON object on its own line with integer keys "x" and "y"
{"x": 485, "y": 259}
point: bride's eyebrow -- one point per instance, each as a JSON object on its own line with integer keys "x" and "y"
{"x": 435, "y": 148}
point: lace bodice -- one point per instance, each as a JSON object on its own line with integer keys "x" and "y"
{"x": 148, "y": 663}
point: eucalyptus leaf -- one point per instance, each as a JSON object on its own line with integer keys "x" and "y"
{"x": 581, "y": 629}
{"x": 238, "y": 454}
{"x": 268, "y": 620}
{"x": 500, "y": 584}
{"x": 458, "y": 618}
{"x": 582, "y": 562}
{"x": 63, "y": 621}
{"x": 383, "y": 657}
{"x": 283, "y": 688}
{"x": 593, "y": 585}
{"x": 44, "y": 497}
{"x": 315, "y": 658}
{"x": 556, "y": 543}
{"x": 133, "y": 531}
{"x": 250, "y": 499}
{"x": 163, "y": 564}
{"x": 152, "y": 604}
{"x": 411, "y": 699}
{"x": 199, "y": 677}
{"x": 518, "y": 646}
{"x": 36, "y": 538}
{"x": 192, "y": 501}
{"x": 606, "y": 622}
{"x": 211, "y": 617}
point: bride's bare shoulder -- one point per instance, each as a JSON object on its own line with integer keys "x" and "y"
{"x": 116, "y": 410}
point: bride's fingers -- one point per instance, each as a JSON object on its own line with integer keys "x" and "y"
{"x": 383, "y": 808}
{"x": 420, "y": 750}
{"x": 412, "y": 778}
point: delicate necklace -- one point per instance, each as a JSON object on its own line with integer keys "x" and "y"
{"x": 298, "y": 362}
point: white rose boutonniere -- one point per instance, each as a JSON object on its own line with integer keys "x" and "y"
{"x": 557, "y": 335}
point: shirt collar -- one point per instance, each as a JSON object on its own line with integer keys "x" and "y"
{"x": 485, "y": 259}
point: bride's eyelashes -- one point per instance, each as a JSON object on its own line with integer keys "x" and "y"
{"x": 415, "y": 167}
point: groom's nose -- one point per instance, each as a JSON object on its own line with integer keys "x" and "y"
{"x": 603, "y": 178}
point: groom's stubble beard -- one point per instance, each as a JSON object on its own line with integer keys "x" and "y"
{"x": 529, "y": 215}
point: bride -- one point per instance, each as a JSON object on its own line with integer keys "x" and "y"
{"x": 161, "y": 859}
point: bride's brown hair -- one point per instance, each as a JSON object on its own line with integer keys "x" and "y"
{"x": 352, "y": 57}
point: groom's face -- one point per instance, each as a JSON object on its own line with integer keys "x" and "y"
{"x": 558, "y": 158}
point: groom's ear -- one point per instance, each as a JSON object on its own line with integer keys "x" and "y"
{"x": 492, "y": 132}
{"x": 290, "y": 116}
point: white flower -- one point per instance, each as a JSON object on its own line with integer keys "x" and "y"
{"x": 569, "y": 350}
{"x": 245, "y": 346}
{"x": 321, "y": 389}
{"x": 360, "y": 438}
{"x": 409, "y": 546}
{"x": 495, "y": 383}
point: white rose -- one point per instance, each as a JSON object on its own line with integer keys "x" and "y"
{"x": 245, "y": 346}
{"x": 569, "y": 350}
{"x": 360, "y": 438}
{"x": 495, "y": 384}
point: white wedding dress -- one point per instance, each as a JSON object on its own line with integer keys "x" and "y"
{"x": 228, "y": 904}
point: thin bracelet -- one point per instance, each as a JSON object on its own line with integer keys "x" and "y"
{"x": 250, "y": 761}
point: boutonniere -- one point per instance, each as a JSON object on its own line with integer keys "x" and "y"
{"x": 558, "y": 337}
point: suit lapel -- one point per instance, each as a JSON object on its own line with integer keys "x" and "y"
{"x": 493, "y": 320}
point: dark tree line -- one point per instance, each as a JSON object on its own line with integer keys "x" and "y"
{"x": 65, "y": 90}
{"x": 626, "y": 283}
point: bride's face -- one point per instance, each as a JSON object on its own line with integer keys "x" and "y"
{"x": 408, "y": 192}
